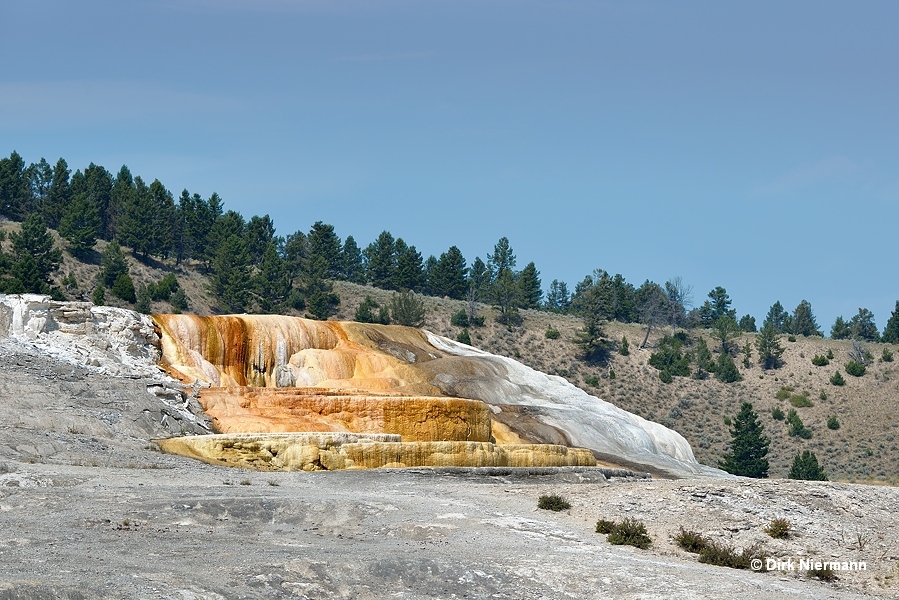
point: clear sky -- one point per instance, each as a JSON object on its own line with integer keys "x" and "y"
{"x": 751, "y": 145}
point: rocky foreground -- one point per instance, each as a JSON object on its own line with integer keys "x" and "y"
{"x": 90, "y": 509}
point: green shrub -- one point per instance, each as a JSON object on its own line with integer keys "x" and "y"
{"x": 800, "y": 401}
{"x": 460, "y": 318}
{"x": 164, "y": 288}
{"x": 725, "y": 370}
{"x": 777, "y": 414}
{"x": 124, "y": 288}
{"x": 552, "y": 333}
{"x": 624, "y": 348}
{"x": 854, "y": 368}
{"x": 783, "y": 393}
{"x": 477, "y": 321}
{"x": 178, "y": 300}
{"x": 778, "y": 528}
{"x": 464, "y": 337}
{"x": 886, "y": 355}
{"x": 837, "y": 379}
{"x": 690, "y": 541}
{"x": 820, "y": 360}
{"x": 825, "y": 573}
{"x": 553, "y": 502}
{"x": 665, "y": 376}
{"x": 830, "y": 354}
{"x": 629, "y": 532}
{"x": 832, "y": 422}
{"x": 142, "y": 304}
{"x": 604, "y": 526}
{"x": 670, "y": 358}
{"x": 99, "y": 296}
{"x": 723, "y": 555}
{"x": 822, "y": 396}
{"x": 791, "y": 338}
{"x": 591, "y": 380}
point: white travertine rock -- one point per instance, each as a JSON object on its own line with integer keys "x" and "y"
{"x": 112, "y": 340}
{"x": 587, "y": 421}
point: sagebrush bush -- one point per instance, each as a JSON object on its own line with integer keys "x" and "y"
{"x": 800, "y": 401}
{"x": 553, "y": 502}
{"x": 783, "y": 393}
{"x": 605, "y": 526}
{"x": 778, "y": 528}
{"x": 630, "y": 532}
{"x": 724, "y": 555}
{"x": 691, "y": 541}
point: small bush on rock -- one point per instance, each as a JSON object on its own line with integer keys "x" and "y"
{"x": 778, "y": 529}
{"x": 630, "y": 532}
{"x": 553, "y": 502}
{"x": 604, "y": 526}
{"x": 690, "y": 541}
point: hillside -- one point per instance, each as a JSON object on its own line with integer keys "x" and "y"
{"x": 864, "y": 447}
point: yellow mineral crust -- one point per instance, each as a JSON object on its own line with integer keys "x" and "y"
{"x": 330, "y": 451}
{"x": 416, "y": 419}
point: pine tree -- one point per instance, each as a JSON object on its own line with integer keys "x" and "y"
{"x": 80, "y": 225}
{"x": 325, "y": 243}
{"x": 15, "y": 188}
{"x": 803, "y": 321}
{"x": 529, "y": 290}
{"x": 409, "y": 272}
{"x": 448, "y": 277}
{"x": 230, "y": 277}
{"x": 768, "y": 345}
{"x": 407, "y": 309}
{"x": 380, "y": 261}
{"x": 747, "y": 324}
{"x": 112, "y": 264}
{"x": 557, "y": 298}
{"x": 840, "y": 329}
{"x": 34, "y": 257}
{"x": 258, "y": 234}
{"x": 777, "y": 318}
{"x": 594, "y": 347}
{"x": 58, "y": 195}
{"x": 479, "y": 280}
{"x": 748, "y": 446}
{"x": 891, "y": 331}
{"x": 352, "y": 268}
{"x": 805, "y": 466}
{"x": 863, "y": 327}
{"x": 703, "y": 357}
{"x": 725, "y": 370}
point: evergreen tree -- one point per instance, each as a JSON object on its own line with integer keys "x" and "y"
{"x": 725, "y": 370}
{"x": 409, "y": 272}
{"x": 272, "y": 284}
{"x": 891, "y": 331}
{"x": 717, "y": 306}
{"x": 40, "y": 178}
{"x": 123, "y": 192}
{"x": 123, "y": 287}
{"x": 351, "y": 260}
{"x": 146, "y": 220}
{"x": 703, "y": 357}
{"x": 840, "y": 329}
{"x": 747, "y": 324}
{"x": 448, "y": 275}
{"x": 58, "y": 196}
{"x": 80, "y": 225}
{"x": 320, "y": 299}
{"x": 365, "y": 312}
{"x": 504, "y": 290}
{"x": 863, "y": 327}
{"x": 748, "y": 446}
{"x": 95, "y": 184}
{"x": 805, "y": 466}
{"x": 725, "y": 329}
{"x": 112, "y": 263}
{"x": 479, "y": 280}
{"x": 230, "y": 277}
{"x": 15, "y": 188}
{"x": 557, "y": 298}
{"x": 529, "y": 287}
{"x": 768, "y": 345}
{"x": 804, "y": 322}
{"x": 34, "y": 257}
{"x": 259, "y": 234}
{"x": 777, "y": 318}
{"x": 380, "y": 261}
{"x": 594, "y": 347}
{"x": 324, "y": 242}
{"x": 407, "y": 309}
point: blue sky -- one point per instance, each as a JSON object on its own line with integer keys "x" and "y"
{"x": 751, "y": 145}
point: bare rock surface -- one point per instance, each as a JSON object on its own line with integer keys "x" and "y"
{"x": 88, "y": 509}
